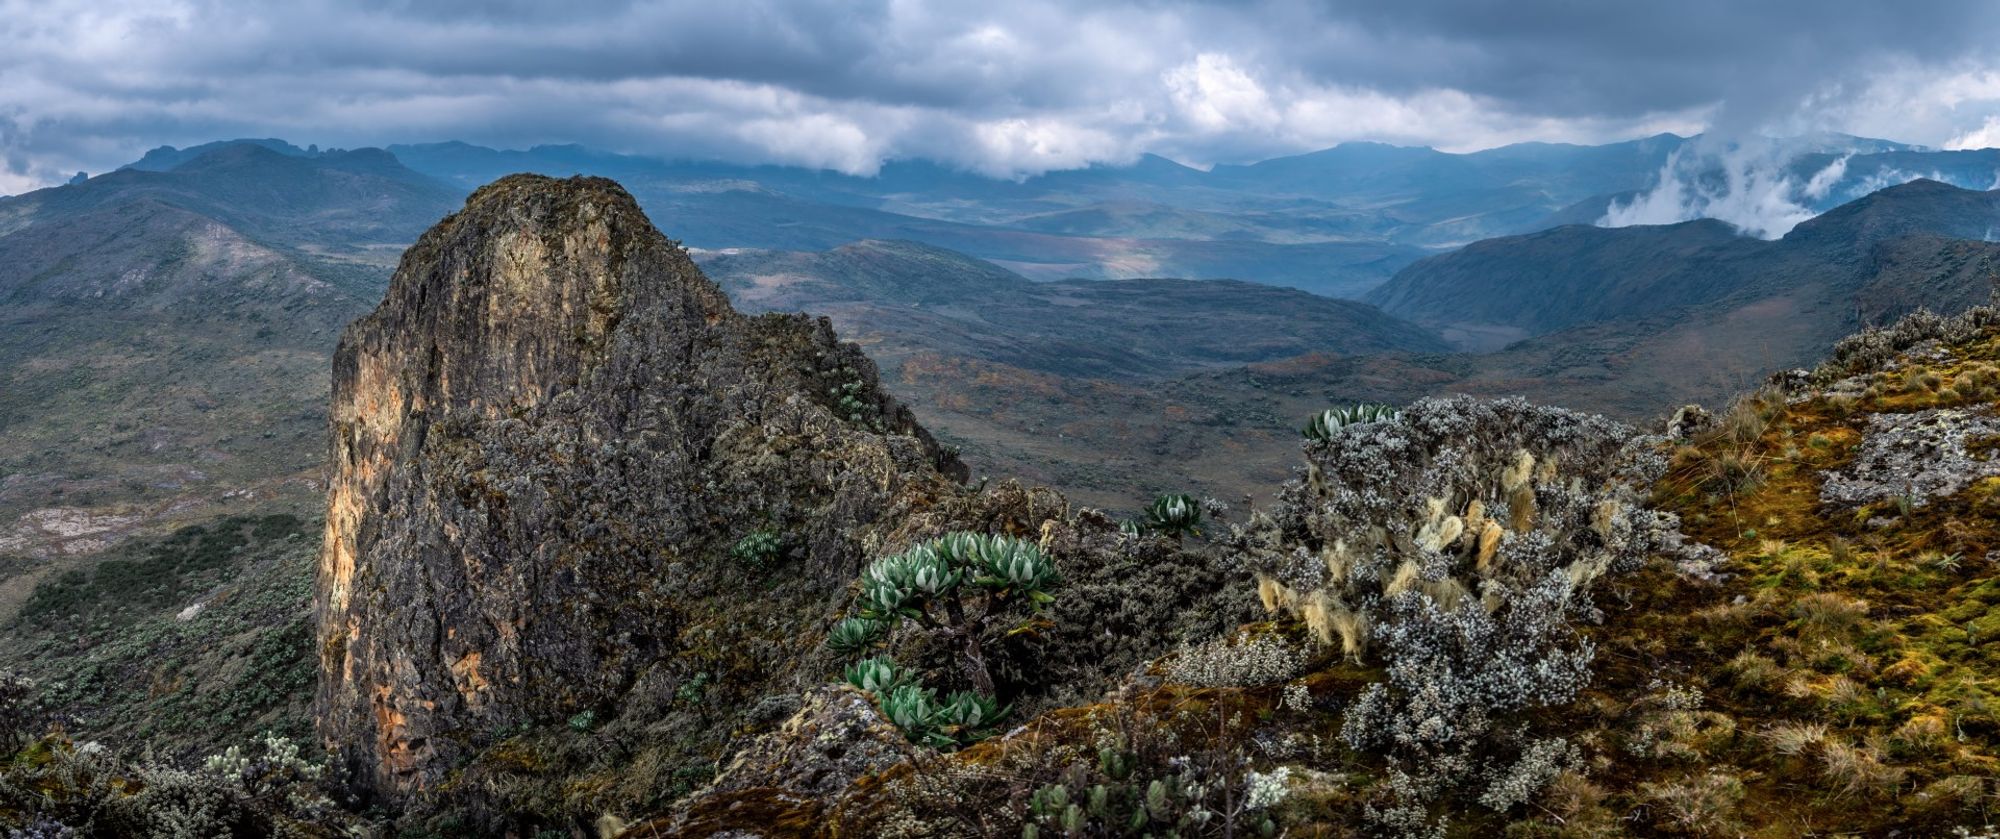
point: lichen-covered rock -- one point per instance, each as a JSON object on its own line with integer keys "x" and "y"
{"x": 836, "y": 737}
{"x": 794, "y": 772}
{"x": 545, "y": 442}
{"x": 1688, "y": 421}
{"x": 1916, "y": 457}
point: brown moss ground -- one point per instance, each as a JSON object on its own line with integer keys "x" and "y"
{"x": 1848, "y": 678}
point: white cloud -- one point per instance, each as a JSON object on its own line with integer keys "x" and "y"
{"x": 1216, "y": 95}
{"x": 1744, "y": 184}
{"x": 1986, "y": 136}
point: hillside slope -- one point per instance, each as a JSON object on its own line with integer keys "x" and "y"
{"x": 1567, "y": 277}
{"x": 346, "y": 199}
{"x": 902, "y": 297}
{"x": 1824, "y": 673}
{"x": 151, "y": 355}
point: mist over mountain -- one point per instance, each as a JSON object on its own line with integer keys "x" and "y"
{"x": 1572, "y": 275}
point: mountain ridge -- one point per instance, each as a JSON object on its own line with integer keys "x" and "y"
{"x": 1555, "y": 279}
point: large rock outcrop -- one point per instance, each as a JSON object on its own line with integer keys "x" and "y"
{"x": 546, "y": 441}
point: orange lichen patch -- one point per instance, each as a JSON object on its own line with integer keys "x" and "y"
{"x": 471, "y": 685}
{"x": 398, "y": 753}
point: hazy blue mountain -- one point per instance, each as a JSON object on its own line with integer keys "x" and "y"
{"x": 1336, "y": 221}
{"x": 1866, "y": 173}
{"x": 167, "y": 157}
{"x": 1542, "y": 282}
{"x": 339, "y": 199}
{"x": 1112, "y": 221}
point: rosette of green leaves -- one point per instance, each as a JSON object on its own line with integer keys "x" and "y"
{"x": 1014, "y": 566}
{"x": 915, "y": 710}
{"x": 759, "y": 550}
{"x": 1323, "y": 424}
{"x": 854, "y": 635}
{"x": 888, "y": 588}
{"x": 879, "y": 675}
{"x": 969, "y": 716}
{"x": 1175, "y": 515}
{"x": 931, "y": 572}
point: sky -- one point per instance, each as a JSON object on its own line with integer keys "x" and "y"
{"x": 1002, "y": 88}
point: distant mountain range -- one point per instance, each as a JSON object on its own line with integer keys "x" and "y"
{"x": 1335, "y": 222}
{"x": 171, "y": 312}
{"x": 1539, "y": 283}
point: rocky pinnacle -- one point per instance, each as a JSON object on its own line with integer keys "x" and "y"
{"x": 545, "y": 442}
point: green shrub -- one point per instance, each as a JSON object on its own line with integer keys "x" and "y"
{"x": 1175, "y": 515}
{"x": 963, "y": 717}
{"x": 1323, "y": 424}
{"x": 167, "y": 572}
{"x": 758, "y": 551}
{"x": 878, "y": 675}
{"x": 960, "y": 587}
{"x": 852, "y": 635}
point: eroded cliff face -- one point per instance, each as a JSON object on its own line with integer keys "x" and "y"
{"x": 545, "y": 442}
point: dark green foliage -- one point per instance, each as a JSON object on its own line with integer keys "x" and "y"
{"x": 1324, "y": 424}
{"x": 129, "y": 671}
{"x": 852, "y": 635}
{"x": 692, "y": 691}
{"x": 1174, "y": 515}
{"x": 758, "y": 551}
{"x": 165, "y": 573}
{"x": 957, "y": 585}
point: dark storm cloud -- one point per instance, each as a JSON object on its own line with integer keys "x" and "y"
{"x": 1004, "y": 88}
{"x": 1615, "y": 56}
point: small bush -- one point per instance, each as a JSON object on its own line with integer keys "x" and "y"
{"x": 958, "y": 586}
{"x": 758, "y": 551}
{"x": 1174, "y": 515}
{"x": 1698, "y": 805}
{"x": 24, "y": 718}
{"x": 1247, "y": 661}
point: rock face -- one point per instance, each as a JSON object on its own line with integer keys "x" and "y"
{"x": 545, "y": 443}
{"x": 789, "y": 782}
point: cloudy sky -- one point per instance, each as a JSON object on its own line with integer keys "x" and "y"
{"x": 1005, "y": 88}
